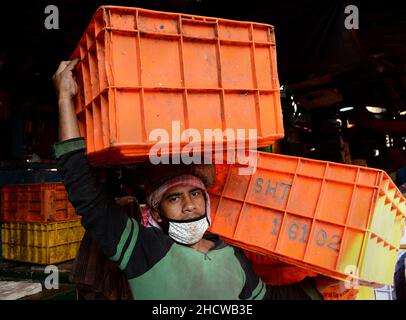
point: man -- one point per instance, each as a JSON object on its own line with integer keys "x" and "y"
{"x": 172, "y": 257}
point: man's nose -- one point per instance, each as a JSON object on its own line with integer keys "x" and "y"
{"x": 189, "y": 204}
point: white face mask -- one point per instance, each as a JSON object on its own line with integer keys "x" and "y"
{"x": 188, "y": 232}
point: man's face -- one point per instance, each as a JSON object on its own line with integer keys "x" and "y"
{"x": 183, "y": 203}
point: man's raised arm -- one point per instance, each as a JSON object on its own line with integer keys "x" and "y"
{"x": 107, "y": 222}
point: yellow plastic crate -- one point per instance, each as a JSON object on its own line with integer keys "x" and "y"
{"x": 365, "y": 293}
{"x": 41, "y": 243}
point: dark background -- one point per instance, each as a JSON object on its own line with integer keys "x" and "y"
{"x": 322, "y": 65}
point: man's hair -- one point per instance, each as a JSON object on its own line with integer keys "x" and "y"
{"x": 157, "y": 175}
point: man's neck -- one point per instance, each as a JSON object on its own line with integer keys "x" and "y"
{"x": 203, "y": 245}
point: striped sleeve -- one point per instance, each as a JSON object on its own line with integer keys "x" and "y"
{"x": 107, "y": 222}
{"x": 259, "y": 292}
{"x": 126, "y": 244}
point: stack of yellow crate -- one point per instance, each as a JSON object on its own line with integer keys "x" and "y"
{"x": 39, "y": 225}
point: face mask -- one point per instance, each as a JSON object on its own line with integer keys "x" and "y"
{"x": 188, "y": 231}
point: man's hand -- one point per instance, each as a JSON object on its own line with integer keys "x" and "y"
{"x": 125, "y": 201}
{"x": 327, "y": 284}
{"x": 64, "y": 80}
{"x": 131, "y": 205}
{"x": 66, "y": 88}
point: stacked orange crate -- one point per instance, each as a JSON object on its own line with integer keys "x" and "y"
{"x": 39, "y": 224}
{"x": 38, "y": 202}
{"x": 339, "y": 220}
{"x": 142, "y": 70}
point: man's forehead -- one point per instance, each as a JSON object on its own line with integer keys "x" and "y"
{"x": 180, "y": 189}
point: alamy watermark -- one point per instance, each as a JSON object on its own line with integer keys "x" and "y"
{"x": 351, "y": 282}
{"x": 52, "y": 20}
{"x": 352, "y": 20}
{"x": 51, "y": 281}
{"x": 168, "y": 149}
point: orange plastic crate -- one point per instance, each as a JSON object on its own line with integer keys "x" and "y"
{"x": 277, "y": 273}
{"x": 140, "y": 70}
{"x": 38, "y": 202}
{"x": 338, "y": 220}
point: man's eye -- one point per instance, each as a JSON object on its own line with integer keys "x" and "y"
{"x": 173, "y": 199}
{"x": 195, "y": 193}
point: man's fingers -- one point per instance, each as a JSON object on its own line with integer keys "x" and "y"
{"x": 126, "y": 200}
{"x": 67, "y": 65}
{"x": 72, "y": 64}
{"x": 61, "y": 67}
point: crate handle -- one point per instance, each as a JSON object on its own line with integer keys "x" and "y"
{"x": 197, "y": 20}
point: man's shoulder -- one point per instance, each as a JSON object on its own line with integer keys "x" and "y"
{"x": 219, "y": 243}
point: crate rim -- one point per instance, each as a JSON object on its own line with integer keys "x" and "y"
{"x": 181, "y": 14}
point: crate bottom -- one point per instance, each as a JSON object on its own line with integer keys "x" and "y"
{"x": 127, "y": 154}
{"x": 41, "y": 256}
